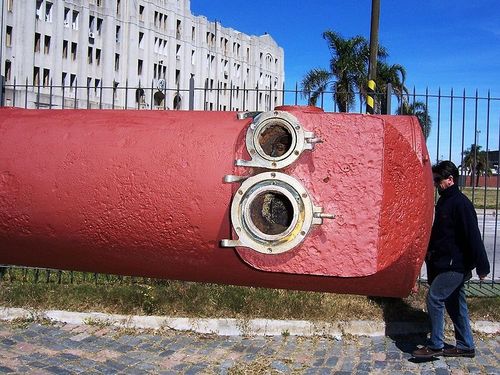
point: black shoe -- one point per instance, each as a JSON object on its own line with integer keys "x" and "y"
{"x": 455, "y": 352}
{"x": 427, "y": 352}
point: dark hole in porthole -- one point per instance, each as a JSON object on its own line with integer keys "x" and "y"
{"x": 275, "y": 140}
{"x": 271, "y": 212}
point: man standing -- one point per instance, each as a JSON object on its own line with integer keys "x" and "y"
{"x": 455, "y": 249}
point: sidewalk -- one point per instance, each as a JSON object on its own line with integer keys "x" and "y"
{"x": 100, "y": 347}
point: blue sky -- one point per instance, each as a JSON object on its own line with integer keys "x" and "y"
{"x": 441, "y": 43}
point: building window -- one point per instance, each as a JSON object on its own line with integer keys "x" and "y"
{"x": 72, "y": 80}
{"x": 90, "y": 55}
{"x": 10, "y": 8}
{"x": 117, "y": 7}
{"x": 99, "y": 3}
{"x": 98, "y": 56}
{"x": 141, "y": 12}
{"x": 178, "y": 29}
{"x": 177, "y": 77}
{"x": 141, "y": 40}
{"x": 91, "y": 24}
{"x": 38, "y": 9}
{"x": 8, "y": 70}
{"x": 178, "y": 52}
{"x": 64, "y": 76}
{"x": 89, "y": 81}
{"x": 46, "y": 48}
{"x": 115, "y": 89}
{"x": 48, "y": 12}
{"x": 192, "y": 57}
{"x": 8, "y": 36}
{"x": 74, "y": 20}
{"x": 65, "y": 49}
{"x": 139, "y": 67}
{"x": 37, "y": 42}
{"x": 67, "y": 15}
{"x": 117, "y": 34}
{"x": 97, "y": 84}
{"x": 36, "y": 76}
{"x": 193, "y": 33}
{"x": 117, "y": 62}
{"x": 74, "y": 49}
{"x": 46, "y": 77}
{"x": 99, "y": 25}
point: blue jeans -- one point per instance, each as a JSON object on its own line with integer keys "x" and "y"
{"x": 447, "y": 291}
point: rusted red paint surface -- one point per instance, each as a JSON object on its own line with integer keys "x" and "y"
{"x": 142, "y": 193}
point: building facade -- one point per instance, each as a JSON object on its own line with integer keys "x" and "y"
{"x": 133, "y": 53}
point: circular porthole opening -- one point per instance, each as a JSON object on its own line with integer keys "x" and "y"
{"x": 275, "y": 139}
{"x": 271, "y": 212}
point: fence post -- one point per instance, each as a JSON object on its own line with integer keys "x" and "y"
{"x": 191, "y": 93}
{"x": 388, "y": 99}
{"x": 2, "y": 90}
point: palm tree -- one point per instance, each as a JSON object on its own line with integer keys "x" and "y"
{"x": 418, "y": 109}
{"x": 475, "y": 163}
{"x": 347, "y": 71}
{"x": 395, "y": 75}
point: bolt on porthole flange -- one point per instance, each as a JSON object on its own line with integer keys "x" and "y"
{"x": 271, "y": 213}
{"x": 275, "y": 140}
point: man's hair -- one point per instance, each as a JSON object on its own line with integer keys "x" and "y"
{"x": 445, "y": 169}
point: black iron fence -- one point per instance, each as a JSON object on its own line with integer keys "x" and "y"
{"x": 461, "y": 126}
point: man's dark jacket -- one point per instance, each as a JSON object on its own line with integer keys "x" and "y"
{"x": 455, "y": 243}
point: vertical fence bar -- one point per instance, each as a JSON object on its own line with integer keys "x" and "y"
{"x": 76, "y": 93}
{"x": 14, "y": 93}
{"x": 439, "y": 124}
{"x": 283, "y": 95}
{"x": 244, "y": 97}
{"x": 50, "y": 94}
{"x": 257, "y": 97}
{"x": 217, "y": 100}
{"x": 463, "y": 140}
{"x": 88, "y": 94}
{"x": 231, "y": 96}
{"x": 126, "y": 93}
{"x": 151, "y": 98}
{"x": 487, "y": 167}
{"x": 113, "y": 93}
{"x": 100, "y": 98}
{"x": 451, "y": 123}
{"x": 496, "y": 215}
{"x": 296, "y": 92}
{"x": 26, "y": 94}
{"x": 38, "y": 96}
{"x": 474, "y": 163}
{"x": 62, "y": 93}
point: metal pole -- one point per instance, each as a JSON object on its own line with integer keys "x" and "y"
{"x": 191, "y": 92}
{"x": 372, "y": 67}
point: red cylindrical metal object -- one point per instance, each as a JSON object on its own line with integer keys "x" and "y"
{"x": 142, "y": 193}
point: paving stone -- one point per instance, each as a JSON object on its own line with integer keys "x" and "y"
{"x": 186, "y": 353}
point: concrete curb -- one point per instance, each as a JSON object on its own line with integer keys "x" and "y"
{"x": 236, "y": 327}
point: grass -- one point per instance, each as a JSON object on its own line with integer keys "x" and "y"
{"x": 126, "y": 295}
{"x": 479, "y": 194}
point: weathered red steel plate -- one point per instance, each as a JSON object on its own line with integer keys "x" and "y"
{"x": 143, "y": 193}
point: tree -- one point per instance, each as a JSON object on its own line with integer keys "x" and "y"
{"x": 348, "y": 73}
{"x": 418, "y": 109}
{"x": 395, "y": 75}
{"x": 475, "y": 163}
{"x": 348, "y": 67}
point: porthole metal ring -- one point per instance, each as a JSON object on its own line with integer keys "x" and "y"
{"x": 296, "y": 228}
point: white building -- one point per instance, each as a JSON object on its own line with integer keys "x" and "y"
{"x": 147, "y": 49}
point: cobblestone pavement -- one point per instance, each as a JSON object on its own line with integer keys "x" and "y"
{"x": 34, "y": 348}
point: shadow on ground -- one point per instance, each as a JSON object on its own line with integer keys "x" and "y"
{"x": 398, "y": 316}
